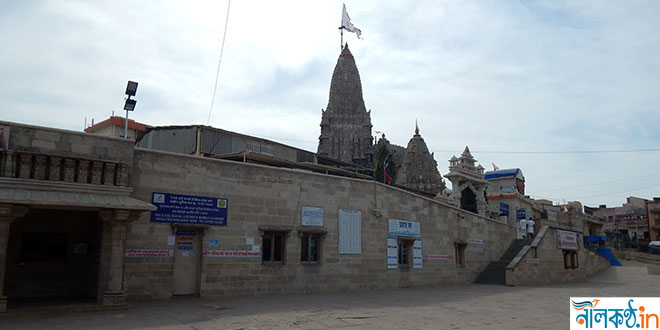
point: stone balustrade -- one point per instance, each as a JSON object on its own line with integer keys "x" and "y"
{"x": 38, "y": 166}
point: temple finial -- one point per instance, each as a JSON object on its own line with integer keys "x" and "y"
{"x": 416, "y": 127}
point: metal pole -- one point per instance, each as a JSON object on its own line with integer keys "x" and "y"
{"x": 126, "y": 126}
{"x": 341, "y": 43}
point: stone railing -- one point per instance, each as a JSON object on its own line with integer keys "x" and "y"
{"x": 37, "y": 166}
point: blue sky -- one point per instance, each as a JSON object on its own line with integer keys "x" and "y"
{"x": 506, "y": 78}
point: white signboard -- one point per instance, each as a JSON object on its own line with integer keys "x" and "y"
{"x": 567, "y": 240}
{"x": 350, "y": 232}
{"x": 438, "y": 256}
{"x": 417, "y": 254}
{"x": 231, "y": 254}
{"x": 312, "y": 216}
{"x": 149, "y": 253}
{"x": 392, "y": 253}
{"x": 404, "y": 228}
{"x": 476, "y": 241}
{"x": 533, "y": 261}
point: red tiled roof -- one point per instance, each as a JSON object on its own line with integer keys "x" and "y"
{"x": 119, "y": 121}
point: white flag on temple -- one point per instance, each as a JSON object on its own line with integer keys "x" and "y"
{"x": 346, "y": 23}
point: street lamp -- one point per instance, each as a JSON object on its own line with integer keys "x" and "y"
{"x": 131, "y": 88}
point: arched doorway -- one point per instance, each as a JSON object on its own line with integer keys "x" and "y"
{"x": 468, "y": 200}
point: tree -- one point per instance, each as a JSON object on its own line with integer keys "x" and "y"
{"x": 384, "y": 160}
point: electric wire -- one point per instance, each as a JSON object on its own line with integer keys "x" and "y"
{"x": 217, "y": 73}
{"x": 599, "y": 183}
{"x": 598, "y": 195}
{"x": 557, "y": 151}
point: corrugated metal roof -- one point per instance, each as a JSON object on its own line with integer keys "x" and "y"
{"x": 278, "y": 162}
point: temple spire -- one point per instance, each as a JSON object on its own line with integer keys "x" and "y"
{"x": 346, "y": 123}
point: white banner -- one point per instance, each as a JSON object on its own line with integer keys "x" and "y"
{"x": 392, "y": 253}
{"x": 149, "y": 253}
{"x": 567, "y": 240}
{"x": 232, "y": 253}
{"x": 417, "y": 254}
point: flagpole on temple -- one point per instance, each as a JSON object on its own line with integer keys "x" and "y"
{"x": 347, "y": 25}
{"x": 341, "y": 42}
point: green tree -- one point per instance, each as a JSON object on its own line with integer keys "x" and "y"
{"x": 384, "y": 158}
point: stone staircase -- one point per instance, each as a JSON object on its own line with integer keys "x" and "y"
{"x": 495, "y": 273}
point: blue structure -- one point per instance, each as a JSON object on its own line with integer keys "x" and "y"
{"x": 609, "y": 255}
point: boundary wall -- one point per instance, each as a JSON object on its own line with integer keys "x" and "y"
{"x": 262, "y": 198}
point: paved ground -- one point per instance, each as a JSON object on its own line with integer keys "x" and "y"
{"x": 475, "y": 306}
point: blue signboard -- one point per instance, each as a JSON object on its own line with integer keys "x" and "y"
{"x": 189, "y": 209}
{"x": 521, "y": 214}
{"x": 504, "y": 209}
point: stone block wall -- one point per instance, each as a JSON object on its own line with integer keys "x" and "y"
{"x": 543, "y": 263}
{"x": 50, "y": 154}
{"x": 52, "y": 141}
{"x": 261, "y": 196}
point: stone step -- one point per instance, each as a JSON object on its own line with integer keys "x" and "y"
{"x": 495, "y": 273}
{"x": 514, "y": 248}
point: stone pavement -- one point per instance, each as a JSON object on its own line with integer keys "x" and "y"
{"x": 474, "y": 306}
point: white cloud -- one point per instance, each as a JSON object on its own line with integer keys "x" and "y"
{"x": 495, "y": 76}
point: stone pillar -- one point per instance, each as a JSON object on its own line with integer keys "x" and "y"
{"x": 8, "y": 213}
{"x": 83, "y": 171}
{"x": 24, "y": 166}
{"x": 69, "y": 170}
{"x": 114, "y": 287}
{"x": 482, "y": 204}
{"x": 97, "y": 172}
{"x": 109, "y": 178}
{"x": 40, "y": 167}
{"x": 55, "y": 168}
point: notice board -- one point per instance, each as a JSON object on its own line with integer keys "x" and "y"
{"x": 350, "y": 232}
{"x": 198, "y": 210}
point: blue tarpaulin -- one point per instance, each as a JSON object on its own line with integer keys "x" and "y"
{"x": 502, "y": 173}
{"x": 607, "y": 254}
{"x": 595, "y": 239}
{"x": 654, "y": 245}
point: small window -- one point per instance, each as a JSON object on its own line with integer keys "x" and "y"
{"x": 459, "y": 250}
{"x": 310, "y": 248}
{"x": 273, "y": 244}
{"x": 405, "y": 249}
{"x": 570, "y": 259}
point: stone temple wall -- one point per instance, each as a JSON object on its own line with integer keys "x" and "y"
{"x": 260, "y": 196}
